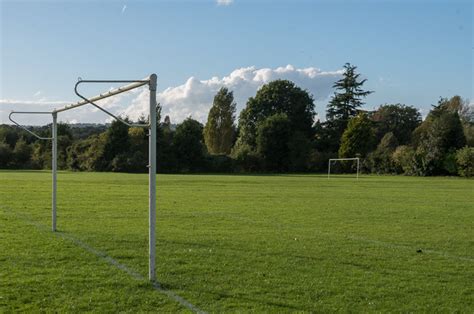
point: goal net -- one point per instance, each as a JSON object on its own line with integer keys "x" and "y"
{"x": 344, "y": 165}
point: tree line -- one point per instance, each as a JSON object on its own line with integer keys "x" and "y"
{"x": 275, "y": 132}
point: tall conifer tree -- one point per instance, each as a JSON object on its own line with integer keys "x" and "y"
{"x": 219, "y": 132}
{"x": 345, "y": 103}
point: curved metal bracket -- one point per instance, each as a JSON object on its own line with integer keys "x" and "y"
{"x": 102, "y": 109}
{"x": 24, "y": 128}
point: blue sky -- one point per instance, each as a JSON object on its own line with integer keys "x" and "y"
{"x": 411, "y": 52}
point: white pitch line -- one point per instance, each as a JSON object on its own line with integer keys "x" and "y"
{"x": 130, "y": 271}
{"x": 156, "y": 285}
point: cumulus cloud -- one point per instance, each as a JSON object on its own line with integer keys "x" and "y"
{"x": 224, "y": 2}
{"x": 195, "y": 96}
{"x": 114, "y": 103}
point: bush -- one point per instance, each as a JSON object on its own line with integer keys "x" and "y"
{"x": 219, "y": 163}
{"x": 189, "y": 148}
{"x": 438, "y": 136}
{"x": 318, "y": 160}
{"x": 87, "y": 155}
{"x": 41, "y": 156}
{"x": 246, "y": 159}
{"x": 273, "y": 136}
{"x": 299, "y": 146}
{"x": 403, "y": 158}
{"x": 358, "y": 139}
{"x": 6, "y": 155}
{"x": 465, "y": 161}
{"x": 469, "y": 134}
{"x": 450, "y": 164}
{"x": 380, "y": 160}
{"x": 22, "y": 154}
{"x": 129, "y": 162}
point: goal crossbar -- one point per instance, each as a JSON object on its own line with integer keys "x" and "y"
{"x": 151, "y": 125}
{"x": 343, "y": 159}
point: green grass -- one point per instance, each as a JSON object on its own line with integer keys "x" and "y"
{"x": 239, "y": 243}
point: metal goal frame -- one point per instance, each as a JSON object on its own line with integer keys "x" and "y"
{"x": 342, "y": 159}
{"x": 151, "y": 126}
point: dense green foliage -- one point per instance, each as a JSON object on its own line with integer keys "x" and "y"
{"x": 188, "y": 144}
{"x": 358, "y": 138}
{"x": 280, "y": 96}
{"x": 436, "y": 141}
{"x": 280, "y": 109}
{"x": 381, "y": 160}
{"x": 344, "y": 105}
{"x": 273, "y": 137}
{"x": 276, "y": 133}
{"x": 465, "y": 161}
{"x": 400, "y": 120}
{"x": 261, "y": 244}
{"x": 219, "y": 132}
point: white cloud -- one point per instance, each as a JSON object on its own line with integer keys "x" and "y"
{"x": 224, "y": 2}
{"x": 37, "y": 93}
{"x": 8, "y": 105}
{"x": 124, "y": 8}
{"x": 37, "y": 103}
{"x": 195, "y": 97}
{"x": 86, "y": 113}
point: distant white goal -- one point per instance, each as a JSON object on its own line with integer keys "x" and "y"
{"x": 344, "y": 159}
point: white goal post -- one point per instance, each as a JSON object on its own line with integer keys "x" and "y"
{"x": 151, "y": 126}
{"x": 342, "y": 159}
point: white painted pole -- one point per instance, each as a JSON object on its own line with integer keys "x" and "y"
{"x": 329, "y": 167}
{"x": 54, "y": 167}
{"x": 152, "y": 179}
{"x": 357, "y": 168}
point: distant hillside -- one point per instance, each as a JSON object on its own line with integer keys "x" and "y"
{"x": 84, "y": 130}
{"x": 78, "y": 130}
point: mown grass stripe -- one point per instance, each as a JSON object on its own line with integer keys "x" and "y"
{"x": 384, "y": 244}
{"x": 242, "y": 243}
{"x": 400, "y": 246}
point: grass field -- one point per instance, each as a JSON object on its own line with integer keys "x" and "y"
{"x": 238, "y": 243}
